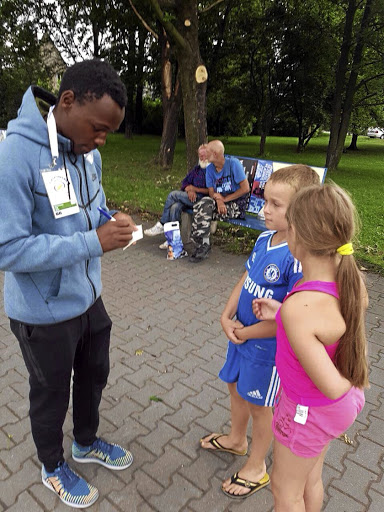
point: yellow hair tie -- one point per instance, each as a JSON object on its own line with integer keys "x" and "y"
{"x": 346, "y": 249}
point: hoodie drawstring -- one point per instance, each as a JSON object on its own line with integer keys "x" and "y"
{"x": 66, "y": 176}
{"x": 86, "y": 184}
{"x": 73, "y": 162}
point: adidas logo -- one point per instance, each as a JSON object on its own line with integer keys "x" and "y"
{"x": 255, "y": 394}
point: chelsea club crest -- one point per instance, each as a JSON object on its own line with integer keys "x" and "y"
{"x": 271, "y": 273}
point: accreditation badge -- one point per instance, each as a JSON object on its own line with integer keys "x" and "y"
{"x": 60, "y": 192}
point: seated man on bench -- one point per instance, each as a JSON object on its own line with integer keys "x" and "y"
{"x": 193, "y": 188}
{"x": 228, "y": 190}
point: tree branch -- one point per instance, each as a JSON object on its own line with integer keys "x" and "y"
{"x": 366, "y": 80}
{"x": 211, "y": 6}
{"x": 170, "y": 28}
{"x": 363, "y": 101}
{"x": 310, "y": 135}
{"x": 145, "y": 24}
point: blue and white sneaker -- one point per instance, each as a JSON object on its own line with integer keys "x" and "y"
{"x": 110, "y": 455}
{"x": 73, "y": 490}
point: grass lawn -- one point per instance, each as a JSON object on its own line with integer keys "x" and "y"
{"x": 133, "y": 181}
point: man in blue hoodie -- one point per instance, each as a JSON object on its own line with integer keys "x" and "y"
{"x": 52, "y": 240}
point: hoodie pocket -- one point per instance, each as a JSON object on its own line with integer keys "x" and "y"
{"x": 47, "y": 283}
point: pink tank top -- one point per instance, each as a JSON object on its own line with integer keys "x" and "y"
{"x": 294, "y": 380}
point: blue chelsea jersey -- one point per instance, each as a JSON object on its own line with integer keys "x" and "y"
{"x": 272, "y": 272}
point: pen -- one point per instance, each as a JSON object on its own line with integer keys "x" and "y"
{"x": 106, "y": 214}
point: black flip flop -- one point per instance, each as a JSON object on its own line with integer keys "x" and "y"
{"x": 253, "y": 486}
{"x": 219, "y": 447}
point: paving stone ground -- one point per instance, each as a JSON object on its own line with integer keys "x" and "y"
{"x": 167, "y": 342}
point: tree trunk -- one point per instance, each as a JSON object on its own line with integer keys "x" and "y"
{"x": 169, "y": 134}
{"x": 341, "y": 71}
{"x": 351, "y": 86}
{"x": 194, "y": 93}
{"x": 140, "y": 80}
{"x": 128, "y": 128}
{"x": 300, "y": 143}
{"x": 265, "y": 129}
{"x": 195, "y": 117}
{"x": 171, "y": 99}
{"x": 308, "y": 136}
{"x": 301, "y": 131}
{"x": 129, "y": 111}
{"x": 342, "y": 108}
{"x": 217, "y": 49}
{"x": 353, "y": 144}
{"x": 263, "y": 140}
{"x": 183, "y": 33}
{"x": 139, "y": 110}
{"x": 96, "y": 46}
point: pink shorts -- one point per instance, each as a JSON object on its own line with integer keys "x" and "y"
{"x": 324, "y": 423}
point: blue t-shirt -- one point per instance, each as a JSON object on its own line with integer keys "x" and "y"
{"x": 272, "y": 272}
{"x": 227, "y": 180}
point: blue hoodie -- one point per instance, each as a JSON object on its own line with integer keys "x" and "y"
{"x": 52, "y": 266}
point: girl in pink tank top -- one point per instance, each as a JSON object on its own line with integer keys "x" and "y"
{"x": 321, "y": 345}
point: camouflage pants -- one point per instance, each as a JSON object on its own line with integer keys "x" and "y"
{"x": 204, "y": 212}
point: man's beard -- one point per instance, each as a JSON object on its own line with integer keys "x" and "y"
{"x": 203, "y": 163}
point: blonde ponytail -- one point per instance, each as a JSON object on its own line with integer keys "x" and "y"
{"x": 351, "y": 353}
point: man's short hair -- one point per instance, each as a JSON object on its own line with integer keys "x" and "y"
{"x": 217, "y": 146}
{"x": 91, "y": 79}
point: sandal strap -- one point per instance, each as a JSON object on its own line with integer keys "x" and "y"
{"x": 214, "y": 442}
{"x": 235, "y": 479}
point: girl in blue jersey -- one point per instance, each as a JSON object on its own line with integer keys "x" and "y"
{"x": 250, "y": 370}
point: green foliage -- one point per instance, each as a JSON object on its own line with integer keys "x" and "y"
{"x": 359, "y": 67}
{"x": 19, "y": 57}
{"x": 152, "y": 116}
{"x": 77, "y": 28}
{"x": 369, "y": 97}
{"x": 272, "y": 61}
{"x": 169, "y": 17}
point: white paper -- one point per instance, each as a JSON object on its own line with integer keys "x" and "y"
{"x": 136, "y": 235}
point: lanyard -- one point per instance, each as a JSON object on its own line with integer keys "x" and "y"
{"x": 52, "y": 134}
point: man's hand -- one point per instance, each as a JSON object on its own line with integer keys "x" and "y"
{"x": 115, "y": 235}
{"x": 229, "y": 327}
{"x": 218, "y": 197}
{"x": 221, "y": 208}
{"x": 191, "y": 194}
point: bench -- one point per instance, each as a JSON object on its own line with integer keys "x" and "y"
{"x": 257, "y": 172}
